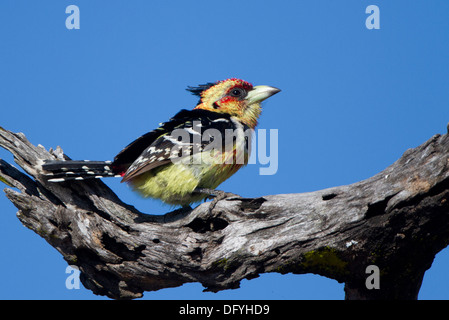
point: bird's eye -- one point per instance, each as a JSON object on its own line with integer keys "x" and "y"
{"x": 237, "y": 92}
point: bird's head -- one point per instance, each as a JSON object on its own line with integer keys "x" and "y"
{"x": 235, "y": 97}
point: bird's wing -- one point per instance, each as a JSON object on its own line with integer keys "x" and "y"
{"x": 184, "y": 134}
{"x": 131, "y": 152}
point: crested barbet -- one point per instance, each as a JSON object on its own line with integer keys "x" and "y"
{"x": 185, "y": 159}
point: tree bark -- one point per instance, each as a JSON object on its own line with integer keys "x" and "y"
{"x": 396, "y": 220}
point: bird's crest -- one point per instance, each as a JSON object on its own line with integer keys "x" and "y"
{"x": 200, "y": 88}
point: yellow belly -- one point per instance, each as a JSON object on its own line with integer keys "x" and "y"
{"x": 174, "y": 183}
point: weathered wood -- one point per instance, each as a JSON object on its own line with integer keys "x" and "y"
{"x": 397, "y": 220}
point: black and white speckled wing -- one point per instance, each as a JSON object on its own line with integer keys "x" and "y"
{"x": 130, "y": 153}
{"x": 183, "y": 135}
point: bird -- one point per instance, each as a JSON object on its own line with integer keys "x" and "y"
{"x": 185, "y": 159}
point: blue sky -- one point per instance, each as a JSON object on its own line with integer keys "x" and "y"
{"x": 352, "y": 101}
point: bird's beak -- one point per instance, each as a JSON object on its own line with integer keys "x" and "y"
{"x": 260, "y": 93}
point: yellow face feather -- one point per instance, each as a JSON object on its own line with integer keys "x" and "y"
{"x": 230, "y": 97}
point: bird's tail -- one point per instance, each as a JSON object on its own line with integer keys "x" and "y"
{"x": 58, "y": 171}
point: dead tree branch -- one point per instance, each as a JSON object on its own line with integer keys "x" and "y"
{"x": 397, "y": 220}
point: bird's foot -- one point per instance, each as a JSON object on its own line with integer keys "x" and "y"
{"x": 216, "y": 195}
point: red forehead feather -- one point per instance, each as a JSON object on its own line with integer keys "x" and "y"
{"x": 238, "y": 82}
